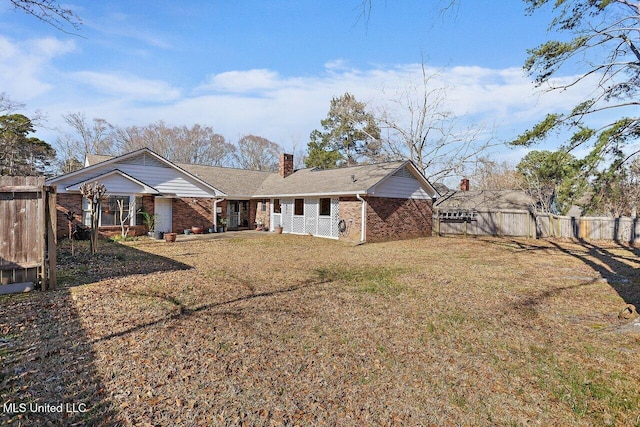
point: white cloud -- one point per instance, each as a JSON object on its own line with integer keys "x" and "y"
{"x": 25, "y": 66}
{"x": 284, "y": 109}
{"x": 250, "y": 81}
{"x": 129, "y": 87}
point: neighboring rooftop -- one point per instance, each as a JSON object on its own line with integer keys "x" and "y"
{"x": 486, "y": 200}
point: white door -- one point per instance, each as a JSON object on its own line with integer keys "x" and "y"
{"x": 163, "y": 208}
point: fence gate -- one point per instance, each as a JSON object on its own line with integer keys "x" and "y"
{"x": 27, "y": 234}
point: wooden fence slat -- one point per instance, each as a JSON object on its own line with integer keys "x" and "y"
{"x": 525, "y": 224}
{"x": 24, "y": 230}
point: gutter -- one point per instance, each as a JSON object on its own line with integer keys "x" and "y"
{"x": 215, "y": 212}
{"x": 363, "y": 219}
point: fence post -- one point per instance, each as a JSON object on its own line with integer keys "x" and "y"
{"x": 52, "y": 232}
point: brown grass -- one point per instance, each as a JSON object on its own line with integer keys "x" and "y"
{"x": 293, "y": 330}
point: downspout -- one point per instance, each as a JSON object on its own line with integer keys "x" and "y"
{"x": 215, "y": 213}
{"x": 363, "y": 220}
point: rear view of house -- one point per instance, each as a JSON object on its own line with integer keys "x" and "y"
{"x": 377, "y": 202}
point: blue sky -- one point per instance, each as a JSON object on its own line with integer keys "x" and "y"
{"x": 271, "y": 67}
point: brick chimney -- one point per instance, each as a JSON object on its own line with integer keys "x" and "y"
{"x": 286, "y": 165}
{"x": 464, "y": 184}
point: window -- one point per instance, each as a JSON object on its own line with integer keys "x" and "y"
{"x": 263, "y": 207}
{"x": 325, "y": 206}
{"x": 86, "y": 212}
{"x": 298, "y": 207}
{"x": 276, "y": 206}
{"x": 138, "y": 208}
{"x": 110, "y": 210}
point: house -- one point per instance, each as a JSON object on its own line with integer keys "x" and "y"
{"x": 376, "y": 202}
{"x": 487, "y": 212}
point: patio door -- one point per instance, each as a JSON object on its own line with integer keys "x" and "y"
{"x": 163, "y": 208}
{"x": 238, "y": 216}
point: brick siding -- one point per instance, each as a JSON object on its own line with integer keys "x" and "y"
{"x": 65, "y": 203}
{"x": 395, "y": 219}
{"x": 257, "y": 212}
{"x": 188, "y": 213}
{"x": 350, "y": 211}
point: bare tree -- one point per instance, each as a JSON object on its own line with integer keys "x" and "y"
{"x": 125, "y": 216}
{"x": 257, "y": 153}
{"x": 493, "y": 175}
{"x": 92, "y": 137}
{"x": 8, "y": 105}
{"x": 428, "y": 135}
{"x": 94, "y": 193}
{"x": 50, "y": 12}
{"x": 195, "y": 145}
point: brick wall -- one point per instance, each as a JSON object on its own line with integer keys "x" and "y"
{"x": 395, "y": 219}
{"x": 65, "y": 203}
{"x": 350, "y": 211}
{"x": 188, "y": 213}
{"x": 257, "y": 212}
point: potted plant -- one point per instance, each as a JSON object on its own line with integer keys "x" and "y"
{"x": 259, "y": 224}
{"x": 278, "y": 229}
{"x": 187, "y": 231}
{"x": 196, "y": 229}
{"x": 170, "y": 237}
{"x": 222, "y": 225}
{"x": 150, "y": 221}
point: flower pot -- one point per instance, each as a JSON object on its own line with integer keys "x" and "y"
{"x": 212, "y": 230}
{"x": 187, "y": 231}
{"x": 278, "y": 230}
{"x": 158, "y": 235}
{"x": 170, "y": 237}
{"x": 197, "y": 230}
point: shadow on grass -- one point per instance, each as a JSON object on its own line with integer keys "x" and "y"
{"x": 182, "y": 311}
{"x": 113, "y": 260}
{"x": 620, "y": 269}
{"x": 612, "y": 267}
{"x": 48, "y": 374}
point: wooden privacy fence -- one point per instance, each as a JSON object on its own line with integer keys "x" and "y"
{"x": 522, "y": 223}
{"x": 27, "y": 234}
{"x": 514, "y": 223}
{"x": 620, "y": 229}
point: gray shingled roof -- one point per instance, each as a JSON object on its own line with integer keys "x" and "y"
{"x": 233, "y": 182}
{"x": 248, "y": 183}
{"x": 350, "y": 180}
{"x": 482, "y": 200}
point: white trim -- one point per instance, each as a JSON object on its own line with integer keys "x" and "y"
{"x": 363, "y": 219}
{"x": 147, "y": 188}
{"x": 216, "y": 192}
{"x": 301, "y": 195}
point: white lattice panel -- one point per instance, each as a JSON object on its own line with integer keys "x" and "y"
{"x": 311, "y": 216}
{"x": 335, "y": 217}
{"x": 324, "y": 226}
{"x": 287, "y": 215}
{"x": 298, "y": 225}
{"x": 276, "y": 220}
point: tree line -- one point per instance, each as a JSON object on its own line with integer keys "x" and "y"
{"x": 196, "y": 144}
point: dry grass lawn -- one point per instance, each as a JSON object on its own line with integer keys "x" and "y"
{"x": 294, "y": 330}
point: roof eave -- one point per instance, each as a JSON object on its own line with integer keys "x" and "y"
{"x": 317, "y": 194}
